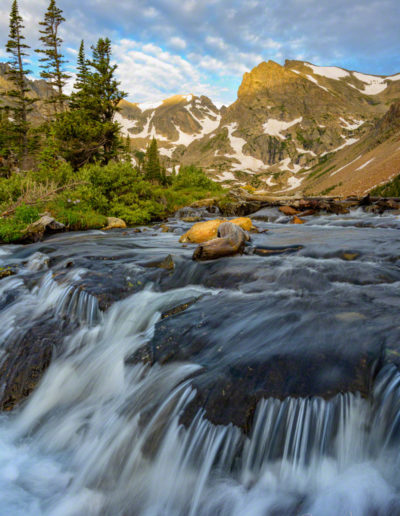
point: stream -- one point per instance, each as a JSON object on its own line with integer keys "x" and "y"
{"x": 143, "y": 383}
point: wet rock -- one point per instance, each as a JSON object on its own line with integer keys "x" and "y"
{"x": 238, "y": 208}
{"x": 297, "y": 220}
{"x": 270, "y": 251}
{"x": 27, "y": 357}
{"x": 337, "y": 209}
{"x": 201, "y": 232}
{"x": 197, "y": 211}
{"x": 180, "y": 308}
{"x": 115, "y": 223}
{"x": 242, "y": 364}
{"x": 166, "y": 229}
{"x": 166, "y": 263}
{"x": 46, "y": 225}
{"x": 348, "y": 256}
{"x": 191, "y": 219}
{"x": 5, "y": 272}
{"x": 231, "y": 240}
{"x": 288, "y": 210}
{"x": 204, "y": 231}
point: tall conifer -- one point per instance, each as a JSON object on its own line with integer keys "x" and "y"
{"x": 52, "y": 60}
{"x": 78, "y": 95}
{"x": 21, "y": 103}
{"x": 152, "y": 165}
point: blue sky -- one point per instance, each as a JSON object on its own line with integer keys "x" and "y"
{"x": 164, "y": 47}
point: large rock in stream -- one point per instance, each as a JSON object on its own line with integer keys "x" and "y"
{"x": 249, "y": 348}
{"x": 230, "y": 241}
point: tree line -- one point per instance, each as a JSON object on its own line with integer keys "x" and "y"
{"x": 79, "y": 128}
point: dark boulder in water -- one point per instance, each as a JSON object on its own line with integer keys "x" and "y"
{"x": 27, "y": 357}
{"x": 246, "y": 357}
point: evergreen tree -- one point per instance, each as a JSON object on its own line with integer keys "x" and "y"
{"x": 7, "y": 142}
{"x": 78, "y": 95}
{"x": 21, "y": 104}
{"x": 102, "y": 87}
{"x": 152, "y": 165}
{"x": 52, "y": 60}
{"x": 88, "y": 132}
{"x": 139, "y": 157}
{"x": 82, "y": 68}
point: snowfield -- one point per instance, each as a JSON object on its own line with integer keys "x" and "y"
{"x": 373, "y": 83}
{"x": 274, "y": 127}
{"x": 245, "y": 162}
{"x": 330, "y": 72}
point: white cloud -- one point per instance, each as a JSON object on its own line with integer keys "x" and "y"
{"x": 178, "y": 43}
{"x": 147, "y": 72}
{"x": 150, "y": 12}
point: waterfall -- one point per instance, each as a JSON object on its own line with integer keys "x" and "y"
{"x": 107, "y": 434}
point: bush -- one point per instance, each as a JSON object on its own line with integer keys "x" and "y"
{"x": 12, "y": 228}
{"x": 194, "y": 177}
{"x": 391, "y": 189}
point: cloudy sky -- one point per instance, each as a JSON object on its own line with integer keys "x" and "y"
{"x": 164, "y": 47}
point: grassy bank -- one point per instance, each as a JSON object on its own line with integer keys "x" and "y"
{"x": 83, "y": 199}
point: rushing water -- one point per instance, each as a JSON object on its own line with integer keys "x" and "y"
{"x": 102, "y": 433}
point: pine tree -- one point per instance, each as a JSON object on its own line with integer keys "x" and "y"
{"x": 88, "y": 132}
{"x": 102, "y": 87}
{"x": 21, "y": 103}
{"x": 82, "y": 67}
{"x": 140, "y": 158}
{"x": 52, "y": 60}
{"x": 152, "y": 163}
{"x": 101, "y": 96}
{"x": 78, "y": 95}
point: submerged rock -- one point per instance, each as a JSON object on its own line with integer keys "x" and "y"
{"x": 5, "y": 272}
{"x": 166, "y": 263}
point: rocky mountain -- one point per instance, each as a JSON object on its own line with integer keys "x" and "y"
{"x": 39, "y": 89}
{"x": 288, "y": 126}
{"x": 175, "y": 123}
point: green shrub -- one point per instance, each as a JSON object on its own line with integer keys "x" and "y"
{"x": 194, "y": 177}
{"x": 12, "y": 228}
{"x": 391, "y": 189}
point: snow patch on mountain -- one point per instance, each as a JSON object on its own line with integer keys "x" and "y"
{"x": 349, "y": 141}
{"x": 125, "y": 123}
{"x": 330, "y": 72}
{"x": 225, "y": 176}
{"x": 145, "y": 106}
{"x": 294, "y": 182}
{"x": 304, "y": 151}
{"x": 373, "y": 83}
{"x": 284, "y": 165}
{"x": 274, "y": 127}
{"x": 351, "y": 126}
{"x": 245, "y": 162}
{"x": 365, "y": 164}
{"x": 347, "y": 165}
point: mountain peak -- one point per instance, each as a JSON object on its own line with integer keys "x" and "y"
{"x": 264, "y": 76}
